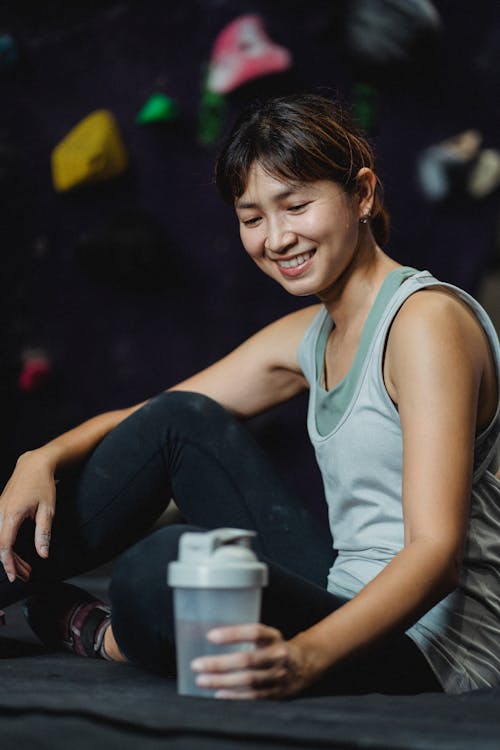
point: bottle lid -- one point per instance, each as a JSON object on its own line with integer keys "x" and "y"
{"x": 220, "y": 559}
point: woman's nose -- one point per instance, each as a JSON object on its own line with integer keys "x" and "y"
{"x": 279, "y": 239}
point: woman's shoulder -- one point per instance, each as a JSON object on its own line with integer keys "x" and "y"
{"x": 433, "y": 310}
{"x": 435, "y": 332}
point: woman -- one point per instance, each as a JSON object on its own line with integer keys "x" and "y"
{"x": 403, "y": 375}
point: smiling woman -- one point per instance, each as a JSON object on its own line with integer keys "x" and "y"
{"x": 403, "y": 374}
{"x": 291, "y": 234}
{"x": 301, "y": 178}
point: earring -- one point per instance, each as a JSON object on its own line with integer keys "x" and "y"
{"x": 365, "y": 218}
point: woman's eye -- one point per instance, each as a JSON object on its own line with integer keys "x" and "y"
{"x": 298, "y": 208}
{"x": 251, "y": 222}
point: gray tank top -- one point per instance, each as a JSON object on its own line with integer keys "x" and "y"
{"x": 358, "y": 447}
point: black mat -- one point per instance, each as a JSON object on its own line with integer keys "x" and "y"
{"x": 54, "y": 698}
{"x": 57, "y": 701}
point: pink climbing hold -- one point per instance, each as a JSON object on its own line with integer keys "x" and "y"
{"x": 243, "y": 51}
{"x": 35, "y": 372}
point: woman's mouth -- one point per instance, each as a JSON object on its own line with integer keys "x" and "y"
{"x": 296, "y": 265}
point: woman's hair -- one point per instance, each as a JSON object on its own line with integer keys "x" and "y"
{"x": 302, "y": 137}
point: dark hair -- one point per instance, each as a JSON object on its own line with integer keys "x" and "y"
{"x": 302, "y": 137}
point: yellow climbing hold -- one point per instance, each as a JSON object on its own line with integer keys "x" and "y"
{"x": 92, "y": 151}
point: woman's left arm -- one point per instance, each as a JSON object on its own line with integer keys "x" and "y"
{"x": 435, "y": 362}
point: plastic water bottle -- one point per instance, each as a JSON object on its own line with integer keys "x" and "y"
{"x": 217, "y": 581}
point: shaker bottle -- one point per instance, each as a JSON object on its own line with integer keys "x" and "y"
{"x": 217, "y": 581}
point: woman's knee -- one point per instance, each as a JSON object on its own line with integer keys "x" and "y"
{"x": 186, "y": 407}
{"x": 178, "y": 418}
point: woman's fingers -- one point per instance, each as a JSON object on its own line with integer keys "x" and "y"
{"x": 245, "y": 678}
{"x": 262, "y": 672}
{"x": 15, "y": 566}
{"x": 261, "y": 658}
{"x": 43, "y": 521}
{"x": 240, "y": 694}
{"x": 29, "y": 493}
{"x": 7, "y": 560}
{"x": 254, "y": 632}
{"x": 9, "y": 525}
{"x": 274, "y": 669}
{"x": 23, "y": 568}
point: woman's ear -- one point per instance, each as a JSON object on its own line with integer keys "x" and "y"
{"x": 366, "y": 182}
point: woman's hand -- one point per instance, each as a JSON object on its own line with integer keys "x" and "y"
{"x": 29, "y": 493}
{"x": 275, "y": 669}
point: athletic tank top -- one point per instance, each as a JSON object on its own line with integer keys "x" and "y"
{"x": 359, "y": 453}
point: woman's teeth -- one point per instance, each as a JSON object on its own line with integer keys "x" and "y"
{"x": 293, "y": 262}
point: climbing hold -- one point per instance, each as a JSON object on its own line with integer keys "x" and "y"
{"x": 243, "y": 51}
{"x": 457, "y": 166}
{"x": 484, "y": 178}
{"x": 364, "y": 106}
{"x": 35, "y": 372}
{"x": 92, "y": 151}
{"x": 391, "y": 32}
{"x": 443, "y": 168}
{"x": 211, "y": 115}
{"x": 9, "y": 55}
{"x": 158, "y": 108}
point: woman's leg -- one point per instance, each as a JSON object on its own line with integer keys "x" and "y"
{"x": 143, "y": 621}
{"x": 182, "y": 445}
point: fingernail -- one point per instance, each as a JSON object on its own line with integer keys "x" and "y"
{"x": 44, "y": 550}
{"x": 197, "y": 665}
{"x": 11, "y": 577}
{"x": 214, "y": 635}
{"x": 203, "y": 680}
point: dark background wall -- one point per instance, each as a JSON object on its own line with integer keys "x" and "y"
{"x": 112, "y": 345}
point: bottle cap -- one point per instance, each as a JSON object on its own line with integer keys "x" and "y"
{"x": 219, "y": 559}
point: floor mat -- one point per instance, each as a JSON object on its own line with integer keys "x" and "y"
{"x": 55, "y": 700}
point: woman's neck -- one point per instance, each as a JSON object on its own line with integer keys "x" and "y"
{"x": 353, "y": 294}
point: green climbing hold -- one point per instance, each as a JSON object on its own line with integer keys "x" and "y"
{"x": 365, "y": 107}
{"x": 158, "y": 108}
{"x": 211, "y": 116}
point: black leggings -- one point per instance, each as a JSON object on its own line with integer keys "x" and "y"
{"x": 186, "y": 446}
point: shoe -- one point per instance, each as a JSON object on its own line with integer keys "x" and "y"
{"x": 68, "y": 618}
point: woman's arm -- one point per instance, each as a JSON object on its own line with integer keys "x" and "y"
{"x": 260, "y": 373}
{"x": 436, "y": 361}
{"x": 263, "y": 372}
{"x": 30, "y": 491}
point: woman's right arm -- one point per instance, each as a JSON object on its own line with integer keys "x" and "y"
{"x": 31, "y": 493}
{"x": 260, "y": 373}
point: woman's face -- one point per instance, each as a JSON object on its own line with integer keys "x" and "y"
{"x": 302, "y": 235}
